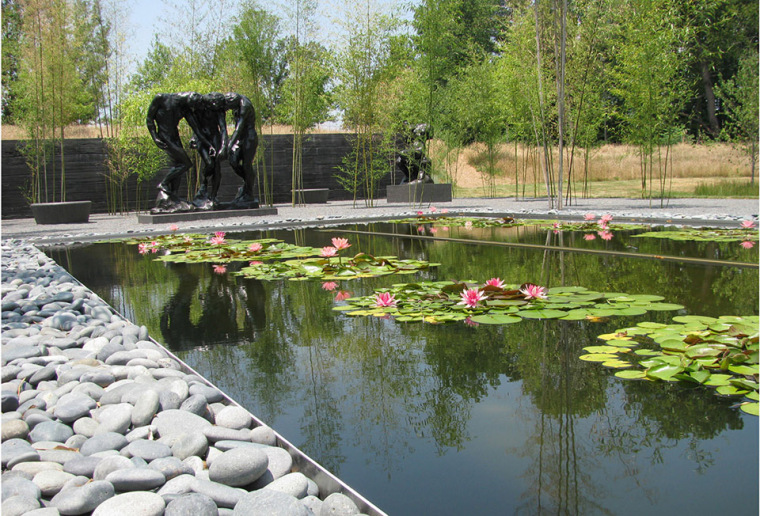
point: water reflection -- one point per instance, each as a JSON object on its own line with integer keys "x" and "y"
{"x": 211, "y": 308}
{"x": 410, "y": 413}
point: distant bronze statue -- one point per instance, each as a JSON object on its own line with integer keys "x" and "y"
{"x": 412, "y": 159}
{"x": 164, "y": 114}
{"x": 210, "y": 138}
{"x": 242, "y": 148}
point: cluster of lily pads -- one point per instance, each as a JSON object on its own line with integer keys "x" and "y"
{"x": 746, "y": 235}
{"x": 716, "y": 352}
{"x": 603, "y": 227}
{"x": 497, "y": 303}
{"x": 272, "y": 259}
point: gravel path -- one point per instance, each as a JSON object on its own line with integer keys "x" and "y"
{"x": 685, "y": 211}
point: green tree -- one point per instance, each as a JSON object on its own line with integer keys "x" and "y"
{"x": 362, "y": 68}
{"x": 53, "y": 94}
{"x": 646, "y": 77}
{"x": 305, "y": 99}
{"x": 740, "y": 97}
{"x": 720, "y": 32}
{"x": 12, "y": 25}
{"x": 156, "y": 66}
{"x": 257, "y": 45}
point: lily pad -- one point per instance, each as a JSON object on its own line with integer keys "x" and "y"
{"x": 751, "y": 408}
{"x": 631, "y": 374}
{"x": 495, "y": 319}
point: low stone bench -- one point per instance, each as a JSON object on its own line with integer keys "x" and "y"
{"x": 312, "y": 195}
{"x": 419, "y": 192}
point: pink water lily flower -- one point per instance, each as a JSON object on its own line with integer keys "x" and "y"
{"x": 143, "y": 248}
{"x": 173, "y": 227}
{"x": 419, "y": 213}
{"x": 468, "y": 224}
{"x": 495, "y": 282}
{"x": 589, "y": 236}
{"x": 328, "y": 252}
{"x": 433, "y": 209}
{"x": 329, "y": 285}
{"x": 342, "y": 295}
{"x": 606, "y": 235}
{"x": 471, "y": 297}
{"x": 255, "y": 263}
{"x": 188, "y": 239}
{"x": 748, "y": 224}
{"x": 385, "y": 299}
{"x": 606, "y": 218}
{"x": 255, "y": 247}
{"x": 589, "y": 216}
{"x": 445, "y": 210}
{"x": 218, "y": 238}
{"x": 531, "y": 291}
{"x": 433, "y": 230}
{"x": 220, "y": 269}
{"x": 557, "y": 225}
{"x": 420, "y": 229}
{"x": 747, "y": 244}
{"x": 340, "y": 243}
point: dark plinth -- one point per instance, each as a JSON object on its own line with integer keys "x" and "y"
{"x": 312, "y": 195}
{"x": 166, "y": 218}
{"x": 69, "y": 212}
{"x": 419, "y": 192}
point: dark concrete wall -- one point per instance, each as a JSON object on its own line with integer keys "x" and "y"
{"x": 86, "y": 174}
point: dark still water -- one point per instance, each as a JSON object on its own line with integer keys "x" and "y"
{"x": 453, "y": 419}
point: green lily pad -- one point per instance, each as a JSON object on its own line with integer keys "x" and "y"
{"x": 495, "y": 319}
{"x": 663, "y": 307}
{"x": 743, "y": 369}
{"x": 663, "y": 371}
{"x": 730, "y": 390}
{"x": 603, "y": 349}
{"x": 597, "y": 357}
{"x": 631, "y": 374}
{"x": 750, "y": 408}
{"x": 541, "y": 314}
{"x": 616, "y": 364}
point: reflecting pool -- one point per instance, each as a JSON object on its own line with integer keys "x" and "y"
{"x": 459, "y": 419}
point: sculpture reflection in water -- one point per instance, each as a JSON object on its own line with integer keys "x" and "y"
{"x": 203, "y": 309}
{"x": 206, "y": 116}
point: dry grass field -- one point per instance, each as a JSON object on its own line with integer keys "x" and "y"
{"x": 608, "y": 171}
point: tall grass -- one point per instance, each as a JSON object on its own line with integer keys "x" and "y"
{"x": 742, "y": 189}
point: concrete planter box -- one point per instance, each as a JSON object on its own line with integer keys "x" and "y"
{"x": 312, "y": 195}
{"x": 71, "y": 212}
{"x": 419, "y": 192}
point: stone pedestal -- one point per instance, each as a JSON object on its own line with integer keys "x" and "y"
{"x": 312, "y": 195}
{"x": 61, "y": 212}
{"x": 419, "y": 192}
{"x": 186, "y": 216}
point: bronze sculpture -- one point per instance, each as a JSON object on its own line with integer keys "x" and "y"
{"x": 206, "y": 116}
{"x": 211, "y": 142}
{"x": 242, "y": 148}
{"x": 164, "y": 114}
{"x": 412, "y": 159}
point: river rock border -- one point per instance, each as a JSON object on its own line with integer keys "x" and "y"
{"x": 97, "y": 418}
